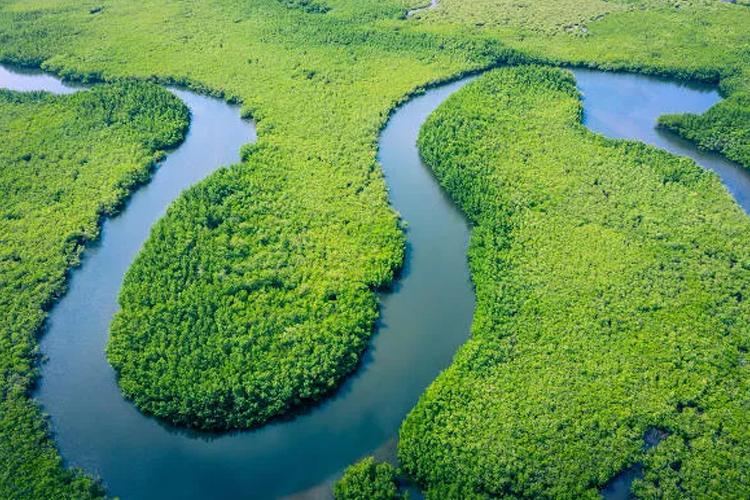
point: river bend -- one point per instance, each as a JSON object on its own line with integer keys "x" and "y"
{"x": 424, "y": 319}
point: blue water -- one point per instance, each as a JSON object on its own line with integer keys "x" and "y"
{"x": 425, "y": 318}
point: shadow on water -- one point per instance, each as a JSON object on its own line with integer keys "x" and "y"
{"x": 425, "y": 317}
{"x": 619, "y": 487}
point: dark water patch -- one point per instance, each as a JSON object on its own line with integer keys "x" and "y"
{"x": 620, "y": 486}
{"x": 654, "y": 436}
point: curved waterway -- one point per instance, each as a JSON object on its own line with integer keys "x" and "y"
{"x": 626, "y": 106}
{"x": 430, "y": 6}
{"x": 425, "y": 317}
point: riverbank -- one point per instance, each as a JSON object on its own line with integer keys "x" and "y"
{"x": 68, "y": 162}
{"x": 609, "y": 279}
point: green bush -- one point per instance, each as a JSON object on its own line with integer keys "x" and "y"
{"x": 724, "y": 128}
{"x": 368, "y": 480}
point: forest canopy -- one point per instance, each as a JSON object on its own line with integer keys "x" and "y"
{"x": 611, "y": 281}
{"x": 368, "y": 479}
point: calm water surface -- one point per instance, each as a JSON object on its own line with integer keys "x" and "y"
{"x": 425, "y": 318}
{"x": 626, "y": 106}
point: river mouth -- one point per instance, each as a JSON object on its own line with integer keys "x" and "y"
{"x": 424, "y": 318}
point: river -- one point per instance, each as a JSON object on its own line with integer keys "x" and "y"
{"x": 424, "y": 318}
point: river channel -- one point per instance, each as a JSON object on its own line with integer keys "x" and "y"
{"x": 424, "y": 318}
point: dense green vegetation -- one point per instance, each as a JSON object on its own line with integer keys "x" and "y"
{"x": 702, "y": 39}
{"x": 368, "y": 480}
{"x": 256, "y": 293}
{"x": 611, "y": 281}
{"x": 706, "y": 39}
{"x": 263, "y": 275}
{"x": 65, "y": 161}
{"x": 724, "y": 128}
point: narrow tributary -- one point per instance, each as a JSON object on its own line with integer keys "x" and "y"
{"x": 424, "y": 319}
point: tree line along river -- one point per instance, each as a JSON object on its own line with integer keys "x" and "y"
{"x": 424, "y": 318}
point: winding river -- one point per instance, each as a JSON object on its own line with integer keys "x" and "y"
{"x": 425, "y": 318}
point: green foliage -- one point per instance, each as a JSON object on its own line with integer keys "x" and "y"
{"x": 65, "y": 161}
{"x": 309, "y": 6}
{"x": 698, "y": 38}
{"x": 724, "y": 128}
{"x": 611, "y": 283}
{"x": 221, "y": 324}
{"x": 368, "y": 480}
{"x": 533, "y": 17}
{"x": 249, "y": 262}
{"x": 256, "y": 293}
